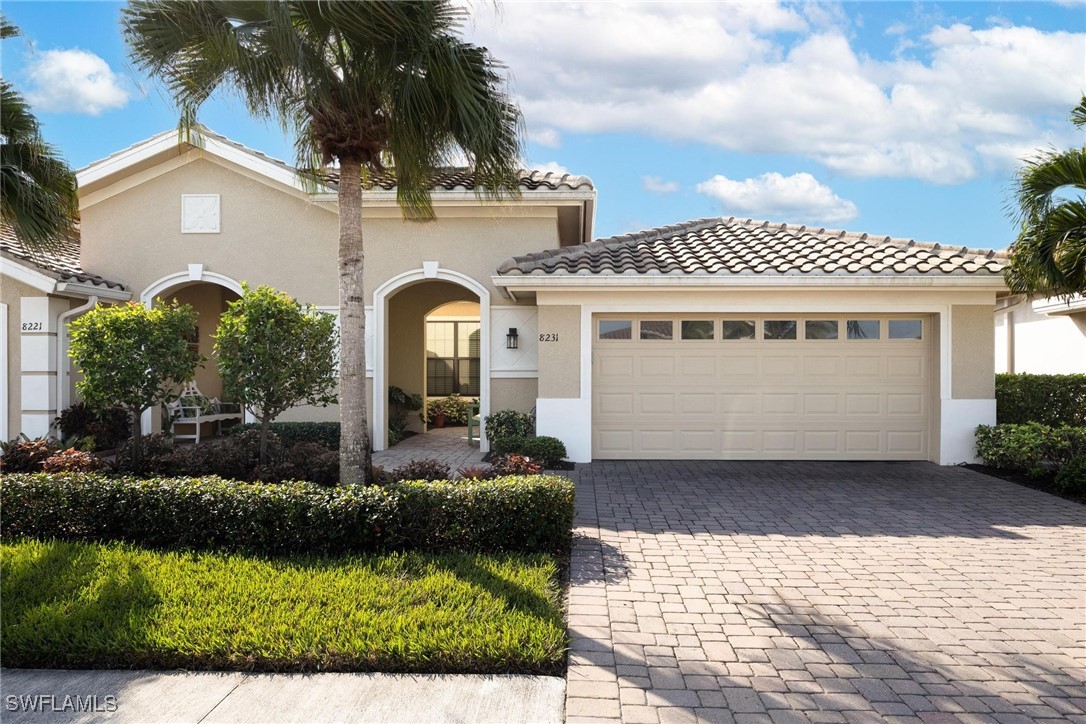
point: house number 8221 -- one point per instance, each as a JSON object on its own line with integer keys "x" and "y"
{"x": 548, "y": 337}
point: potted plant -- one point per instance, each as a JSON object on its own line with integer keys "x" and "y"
{"x": 435, "y": 412}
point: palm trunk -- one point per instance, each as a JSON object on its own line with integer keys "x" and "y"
{"x": 355, "y": 456}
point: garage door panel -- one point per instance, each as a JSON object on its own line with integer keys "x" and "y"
{"x": 750, "y": 399}
{"x": 779, "y": 403}
{"x": 655, "y": 403}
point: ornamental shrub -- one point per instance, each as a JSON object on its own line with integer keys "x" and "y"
{"x": 23, "y": 455}
{"x": 1032, "y": 448}
{"x": 294, "y": 433}
{"x": 73, "y": 461}
{"x": 1071, "y": 479}
{"x": 547, "y": 451}
{"x": 428, "y": 469}
{"x": 508, "y": 423}
{"x": 108, "y": 428}
{"x": 1047, "y": 399}
{"x": 515, "y": 465}
{"x": 275, "y": 353}
{"x": 510, "y": 514}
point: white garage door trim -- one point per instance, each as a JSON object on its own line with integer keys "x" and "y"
{"x": 769, "y": 398}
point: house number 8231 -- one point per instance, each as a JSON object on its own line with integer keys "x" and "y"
{"x": 548, "y": 337}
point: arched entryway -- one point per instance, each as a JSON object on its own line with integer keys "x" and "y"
{"x": 404, "y": 308}
{"x": 209, "y": 294}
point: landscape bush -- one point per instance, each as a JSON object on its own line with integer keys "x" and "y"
{"x": 427, "y": 469}
{"x": 293, "y": 433}
{"x": 508, "y": 423}
{"x": 108, "y": 428}
{"x": 72, "y": 461}
{"x": 1048, "y": 399}
{"x": 25, "y": 455}
{"x": 514, "y": 465}
{"x": 1071, "y": 479}
{"x": 516, "y": 514}
{"x": 547, "y": 451}
{"x": 1031, "y": 448}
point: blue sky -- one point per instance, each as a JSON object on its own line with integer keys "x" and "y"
{"x": 896, "y": 118}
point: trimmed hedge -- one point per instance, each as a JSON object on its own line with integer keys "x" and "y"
{"x": 531, "y": 514}
{"x": 1034, "y": 449}
{"x": 1047, "y": 399}
{"x": 547, "y": 451}
{"x": 293, "y": 433}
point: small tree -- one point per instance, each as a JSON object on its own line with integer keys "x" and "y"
{"x": 275, "y": 353}
{"x": 134, "y": 357}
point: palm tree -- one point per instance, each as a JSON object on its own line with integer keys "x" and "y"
{"x": 37, "y": 189}
{"x": 364, "y": 84}
{"x": 1049, "y": 257}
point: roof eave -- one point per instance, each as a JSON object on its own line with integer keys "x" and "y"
{"x": 527, "y": 282}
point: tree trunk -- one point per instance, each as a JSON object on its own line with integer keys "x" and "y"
{"x": 137, "y": 438}
{"x": 355, "y": 456}
{"x": 265, "y": 428}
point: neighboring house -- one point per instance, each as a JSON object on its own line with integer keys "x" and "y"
{"x": 1041, "y": 336}
{"x": 717, "y": 338}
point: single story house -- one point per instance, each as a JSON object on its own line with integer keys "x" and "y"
{"x": 716, "y": 339}
{"x": 1041, "y": 336}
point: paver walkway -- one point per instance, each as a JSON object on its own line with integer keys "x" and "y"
{"x": 780, "y": 592}
{"x": 448, "y": 444}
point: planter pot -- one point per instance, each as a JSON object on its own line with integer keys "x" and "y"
{"x": 439, "y": 420}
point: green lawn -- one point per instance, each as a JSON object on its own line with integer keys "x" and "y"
{"x": 74, "y": 605}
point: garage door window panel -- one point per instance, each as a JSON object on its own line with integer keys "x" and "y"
{"x": 906, "y": 329}
{"x": 697, "y": 329}
{"x": 864, "y": 329}
{"x": 657, "y": 330}
{"x": 731, "y": 329}
{"x": 820, "y": 329}
{"x": 615, "y": 329}
{"x": 775, "y": 329}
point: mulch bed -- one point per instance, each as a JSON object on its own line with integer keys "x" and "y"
{"x": 1045, "y": 484}
{"x": 564, "y": 465}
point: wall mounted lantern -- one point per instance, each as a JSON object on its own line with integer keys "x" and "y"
{"x": 511, "y": 338}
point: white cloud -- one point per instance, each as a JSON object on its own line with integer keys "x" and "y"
{"x": 547, "y": 167}
{"x": 545, "y": 137}
{"x": 771, "y": 78}
{"x": 74, "y": 81}
{"x": 799, "y": 197}
{"x": 657, "y": 185}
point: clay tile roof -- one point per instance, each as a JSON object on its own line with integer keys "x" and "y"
{"x": 462, "y": 179}
{"x": 61, "y": 261}
{"x": 736, "y": 246}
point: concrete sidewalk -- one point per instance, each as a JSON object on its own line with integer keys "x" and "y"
{"x": 149, "y": 697}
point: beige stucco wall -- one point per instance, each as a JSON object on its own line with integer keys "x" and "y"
{"x": 972, "y": 372}
{"x": 209, "y": 301}
{"x": 509, "y": 393}
{"x": 560, "y": 360}
{"x": 1028, "y": 341}
{"x": 270, "y": 235}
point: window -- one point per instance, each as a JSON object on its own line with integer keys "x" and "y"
{"x": 616, "y": 329}
{"x": 820, "y": 329}
{"x": 863, "y": 328}
{"x": 658, "y": 330}
{"x": 697, "y": 329}
{"x": 905, "y": 328}
{"x": 735, "y": 329}
{"x": 779, "y": 329}
{"x": 452, "y": 358}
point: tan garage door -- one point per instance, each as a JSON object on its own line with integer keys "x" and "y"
{"x": 820, "y": 387}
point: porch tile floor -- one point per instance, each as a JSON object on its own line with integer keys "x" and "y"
{"x": 448, "y": 444}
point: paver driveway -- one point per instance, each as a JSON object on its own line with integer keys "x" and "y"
{"x": 823, "y": 592}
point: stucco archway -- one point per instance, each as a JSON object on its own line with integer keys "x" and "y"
{"x": 430, "y": 271}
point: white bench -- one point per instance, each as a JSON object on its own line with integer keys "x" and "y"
{"x": 194, "y": 408}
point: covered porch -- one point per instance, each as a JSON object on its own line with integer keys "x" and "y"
{"x": 448, "y": 445}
